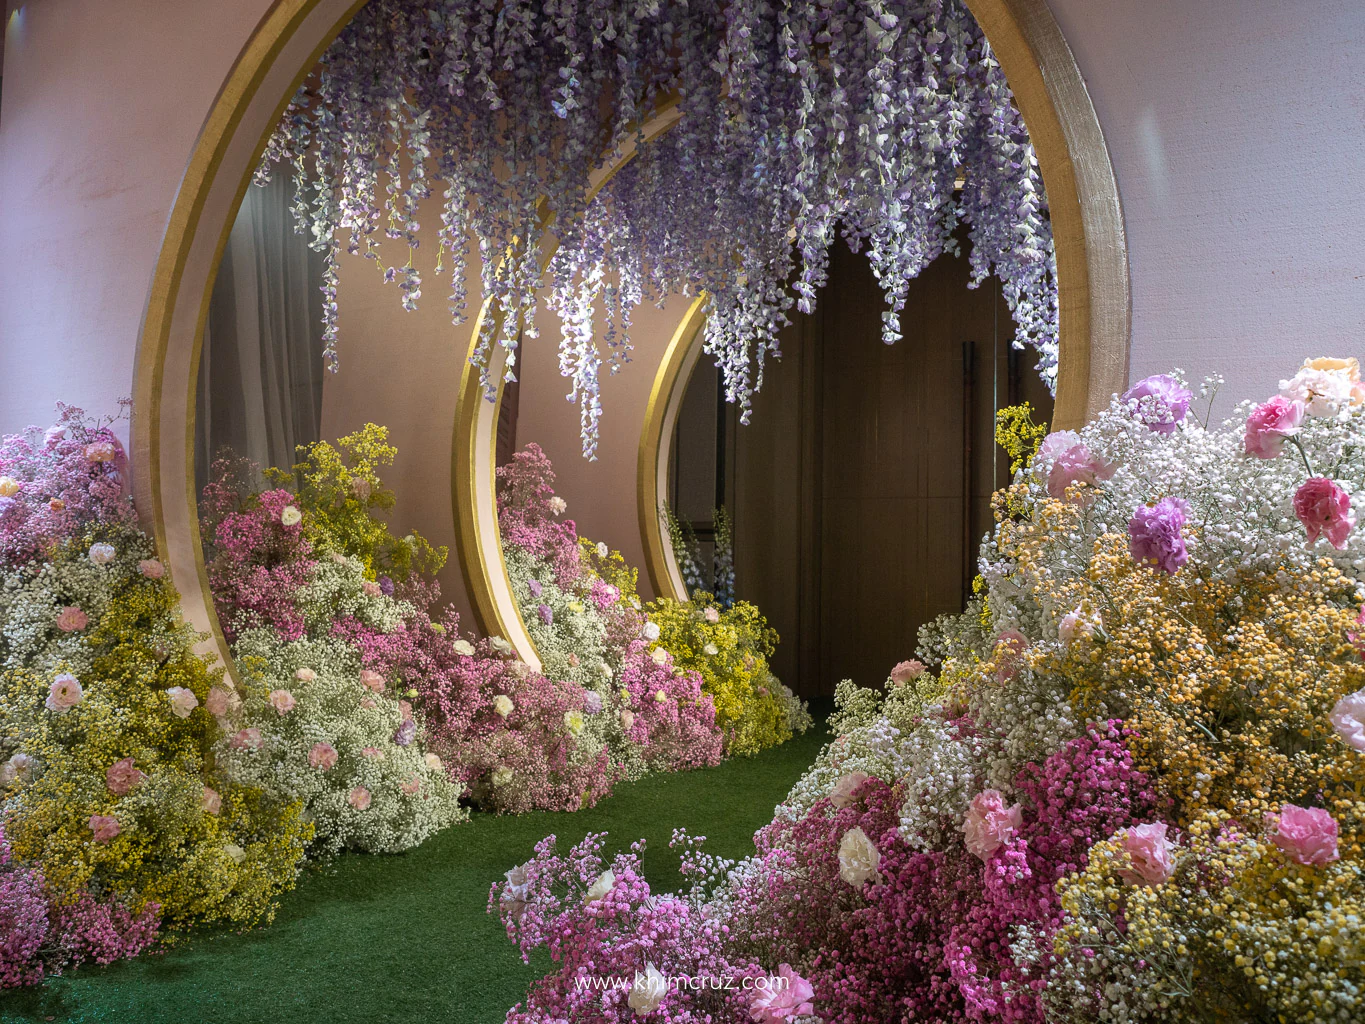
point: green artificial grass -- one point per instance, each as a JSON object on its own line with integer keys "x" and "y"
{"x": 406, "y": 938}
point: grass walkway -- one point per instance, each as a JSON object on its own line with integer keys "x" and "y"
{"x": 405, "y": 938}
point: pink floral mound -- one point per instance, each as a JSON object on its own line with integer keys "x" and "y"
{"x": 56, "y": 484}
{"x": 678, "y": 732}
{"x": 527, "y": 519}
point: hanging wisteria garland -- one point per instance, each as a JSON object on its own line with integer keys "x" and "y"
{"x": 891, "y": 119}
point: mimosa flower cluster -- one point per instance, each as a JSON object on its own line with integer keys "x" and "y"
{"x": 1124, "y": 785}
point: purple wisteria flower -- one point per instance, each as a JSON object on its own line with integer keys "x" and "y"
{"x": 1154, "y": 535}
{"x": 1160, "y": 401}
{"x": 547, "y": 614}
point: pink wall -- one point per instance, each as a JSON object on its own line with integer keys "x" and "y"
{"x": 101, "y": 106}
{"x": 1237, "y": 132}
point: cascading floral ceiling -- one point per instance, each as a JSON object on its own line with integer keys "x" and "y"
{"x": 889, "y": 119}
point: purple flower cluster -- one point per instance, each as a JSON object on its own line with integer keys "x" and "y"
{"x": 795, "y": 118}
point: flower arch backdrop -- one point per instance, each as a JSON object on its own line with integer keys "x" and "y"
{"x": 1085, "y": 218}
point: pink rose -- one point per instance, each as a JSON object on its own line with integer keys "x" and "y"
{"x": 1307, "y": 835}
{"x": 1325, "y": 511}
{"x": 64, "y": 694}
{"x": 1348, "y": 718}
{"x": 1076, "y": 465}
{"x": 217, "y": 702}
{"x": 247, "y": 739}
{"x": 1149, "y": 854}
{"x": 100, "y": 451}
{"x": 405, "y": 710}
{"x": 105, "y": 827}
{"x": 211, "y": 802}
{"x": 368, "y": 703}
{"x": 411, "y": 787}
{"x": 71, "y": 619}
{"x": 122, "y": 777}
{"x": 305, "y": 675}
{"x": 906, "y": 671}
{"x": 779, "y": 1001}
{"x": 842, "y": 793}
{"x": 1009, "y": 654}
{"x": 282, "y": 701}
{"x": 183, "y": 701}
{"x": 359, "y": 798}
{"x": 372, "y": 680}
{"x": 1270, "y": 423}
{"x": 151, "y": 568}
{"x": 989, "y": 823}
{"x": 322, "y": 756}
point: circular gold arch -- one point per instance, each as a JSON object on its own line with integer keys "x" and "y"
{"x": 1087, "y": 230}
{"x": 282, "y": 50}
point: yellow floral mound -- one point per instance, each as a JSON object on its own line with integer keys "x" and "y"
{"x": 730, "y": 649}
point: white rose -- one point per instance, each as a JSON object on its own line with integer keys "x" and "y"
{"x": 659, "y": 655}
{"x": 1323, "y": 392}
{"x": 858, "y": 858}
{"x": 711, "y": 650}
{"x": 102, "y": 554}
{"x": 660, "y": 697}
{"x": 558, "y": 505}
{"x": 602, "y": 550}
{"x": 502, "y": 775}
{"x": 648, "y": 991}
{"x": 518, "y": 883}
{"x": 290, "y": 516}
{"x": 433, "y": 762}
{"x": 651, "y": 631}
{"x": 183, "y": 701}
{"x": 464, "y": 647}
{"x": 606, "y": 881}
{"x": 573, "y": 722}
{"x": 503, "y": 705}
{"x": 500, "y": 645}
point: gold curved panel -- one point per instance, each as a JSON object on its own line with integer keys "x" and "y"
{"x": 651, "y": 475}
{"x": 1083, "y": 200}
{"x": 284, "y": 47}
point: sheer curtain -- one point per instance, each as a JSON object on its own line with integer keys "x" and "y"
{"x": 260, "y": 372}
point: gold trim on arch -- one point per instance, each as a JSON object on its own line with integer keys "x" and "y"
{"x": 473, "y": 478}
{"x": 651, "y": 475}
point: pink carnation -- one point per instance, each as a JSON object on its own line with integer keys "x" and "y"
{"x": 906, "y": 671}
{"x": 1270, "y": 423}
{"x": 247, "y": 739}
{"x": 1155, "y": 535}
{"x": 411, "y": 787}
{"x": 211, "y": 802}
{"x": 122, "y": 778}
{"x": 371, "y": 588}
{"x": 71, "y": 619}
{"x": 105, "y": 827}
{"x": 359, "y": 798}
{"x": 1160, "y": 401}
{"x": 151, "y": 568}
{"x": 282, "y": 701}
{"x": 1076, "y": 465}
{"x": 776, "y": 1002}
{"x": 101, "y": 451}
{"x": 372, "y": 680}
{"x": 217, "y": 702}
{"x": 1325, "y": 511}
{"x": 842, "y": 793}
{"x": 1149, "y": 854}
{"x": 989, "y": 823}
{"x": 1307, "y": 835}
{"x": 322, "y": 756}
